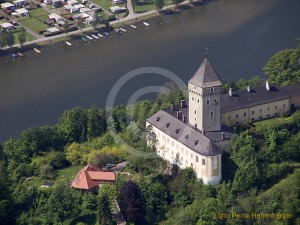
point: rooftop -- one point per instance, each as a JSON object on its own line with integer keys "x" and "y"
{"x": 206, "y": 76}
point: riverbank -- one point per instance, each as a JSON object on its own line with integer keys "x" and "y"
{"x": 131, "y": 19}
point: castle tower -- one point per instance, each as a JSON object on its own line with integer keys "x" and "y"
{"x": 204, "y": 98}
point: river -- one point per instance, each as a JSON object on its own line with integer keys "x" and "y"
{"x": 240, "y": 36}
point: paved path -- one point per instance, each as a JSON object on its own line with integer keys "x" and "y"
{"x": 130, "y": 8}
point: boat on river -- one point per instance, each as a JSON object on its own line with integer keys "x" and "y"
{"x": 100, "y": 35}
{"x": 84, "y": 39}
{"x": 68, "y": 43}
{"x": 146, "y": 24}
{"x": 118, "y": 31}
{"x": 106, "y": 33}
{"x": 20, "y": 54}
{"x": 94, "y": 36}
{"x": 37, "y": 50}
{"x": 14, "y": 55}
{"x": 89, "y": 37}
{"x": 123, "y": 30}
{"x": 134, "y": 27}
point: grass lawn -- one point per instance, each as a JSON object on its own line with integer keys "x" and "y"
{"x": 106, "y": 4}
{"x": 145, "y": 6}
{"x": 65, "y": 175}
{"x": 36, "y": 21}
{"x": 29, "y": 37}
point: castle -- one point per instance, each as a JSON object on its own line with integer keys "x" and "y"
{"x": 195, "y": 135}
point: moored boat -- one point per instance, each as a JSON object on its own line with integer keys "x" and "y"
{"x": 100, "y": 35}
{"x": 122, "y": 29}
{"x": 84, "y": 39}
{"x": 134, "y": 27}
{"x": 20, "y": 54}
{"x": 94, "y": 36}
{"x": 146, "y": 24}
{"x": 89, "y": 37}
{"x": 37, "y": 50}
{"x": 14, "y": 55}
{"x": 118, "y": 31}
{"x": 68, "y": 43}
{"x": 106, "y": 33}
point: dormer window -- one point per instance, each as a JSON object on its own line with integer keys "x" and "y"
{"x": 186, "y": 136}
{"x": 157, "y": 119}
{"x": 215, "y": 101}
{"x": 196, "y": 142}
{"x": 177, "y": 131}
{"x": 168, "y": 124}
{"x": 211, "y": 89}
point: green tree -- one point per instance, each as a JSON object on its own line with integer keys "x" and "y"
{"x": 73, "y": 125}
{"x": 96, "y": 122}
{"x": 284, "y": 68}
{"x": 104, "y": 213}
{"x": 63, "y": 203}
{"x": 66, "y": 27}
{"x": 10, "y": 39}
{"x": 47, "y": 172}
{"x": 103, "y": 159}
{"x": 22, "y": 36}
{"x": 159, "y": 4}
{"x": 97, "y": 21}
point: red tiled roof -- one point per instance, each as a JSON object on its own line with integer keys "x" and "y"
{"x": 86, "y": 177}
{"x": 95, "y": 175}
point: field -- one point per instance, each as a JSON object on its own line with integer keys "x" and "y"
{"x": 145, "y": 6}
{"x": 36, "y": 21}
{"x": 106, "y": 4}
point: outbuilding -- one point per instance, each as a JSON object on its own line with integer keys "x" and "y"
{"x": 70, "y": 8}
{"x": 22, "y": 12}
{"x": 20, "y": 3}
{"x": 8, "y": 6}
{"x": 7, "y": 26}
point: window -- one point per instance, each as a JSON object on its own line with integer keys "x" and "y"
{"x": 252, "y": 112}
{"x": 215, "y": 163}
{"x": 195, "y": 87}
{"x": 215, "y": 101}
{"x": 203, "y": 162}
{"x": 191, "y": 164}
{"x": 211, "y": 113}
{"x": 260, "y": 110}
{"x": 283, "y": 105}
{"x": 236, "y": 116}
{"x": 245, "y": 114}
{"x": 276, "y": 107}
{"x": 207, "y": 101}
{"x": 211, "y": 90}
{"x": 268, "y": 109}
{"x": 195, "y": 112}
{"x": 192, "y": 98}
{"x": 198, "y": 100}
{"x": 196, "y": 158}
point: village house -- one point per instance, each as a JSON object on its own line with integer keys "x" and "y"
{"x": 91, "y": 178}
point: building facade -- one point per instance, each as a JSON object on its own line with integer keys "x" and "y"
{"x": 195, "y": 135}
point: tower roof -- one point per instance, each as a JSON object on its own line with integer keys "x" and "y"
{"x": 206, "y": 76}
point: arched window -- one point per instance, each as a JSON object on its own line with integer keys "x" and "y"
{"x": 203, "y": 162}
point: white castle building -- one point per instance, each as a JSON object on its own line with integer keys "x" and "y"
{"x": 192, "y": 135}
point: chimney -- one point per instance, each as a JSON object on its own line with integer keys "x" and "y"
{"x": 172, "y": 107}
{"x": 183, "y": 104}
{"x": 267, "y": 86}
{"x": 249, "y": 89}
{"x": 179, "y": 115}
{"x": 230, "y": 91}
{"x": 203, "y": 132}
{"x": 183, "y": 118}
{"x": 223, "y": 136}
{"x": 195, "y": 126}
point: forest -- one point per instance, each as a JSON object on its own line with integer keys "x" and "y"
{"x": 261, "y": 173}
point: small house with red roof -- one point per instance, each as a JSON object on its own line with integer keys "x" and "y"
{"x": 91, "y": 177}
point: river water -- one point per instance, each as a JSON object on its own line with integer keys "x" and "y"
{"x": 240, "y": 36}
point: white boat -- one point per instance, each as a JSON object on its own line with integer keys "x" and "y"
{"x": 89, "y": 37}
{"x": 100, "y": 35}
{"x": 37, "y": 51}
{"x": 107, "y": 34}
{"x": 68, "y": 43}
{"x": 94, "y": 36}
{"x": 146, "y": 24}
{"x": 135, "y": 27}
{"x": 123, "y": 30}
